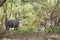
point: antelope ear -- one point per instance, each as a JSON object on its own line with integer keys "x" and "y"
{"x": 18, "y": 18}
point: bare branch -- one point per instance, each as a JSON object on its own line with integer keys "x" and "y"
{"x": 2, "y": 2}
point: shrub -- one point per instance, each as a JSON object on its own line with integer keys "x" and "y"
{"x": 48, "y": 30}
{"x": 56, "y": 29}
{"x": 26, "y": 30}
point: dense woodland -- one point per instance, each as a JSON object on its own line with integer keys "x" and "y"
{"x": 35, "y": 15}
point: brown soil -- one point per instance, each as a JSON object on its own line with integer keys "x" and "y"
{"x": 25, "y": 36}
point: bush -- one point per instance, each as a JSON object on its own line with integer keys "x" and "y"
{"x": 48, "y": 30}
{"x": 26, "y": 30}
{"x": 56, "y": 29}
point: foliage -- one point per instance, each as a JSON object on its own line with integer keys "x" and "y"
{"x": 56, "y": 29}
{"x": 48, "y": 30}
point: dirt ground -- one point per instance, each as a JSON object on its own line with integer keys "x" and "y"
{"x": 31, "y": 36}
